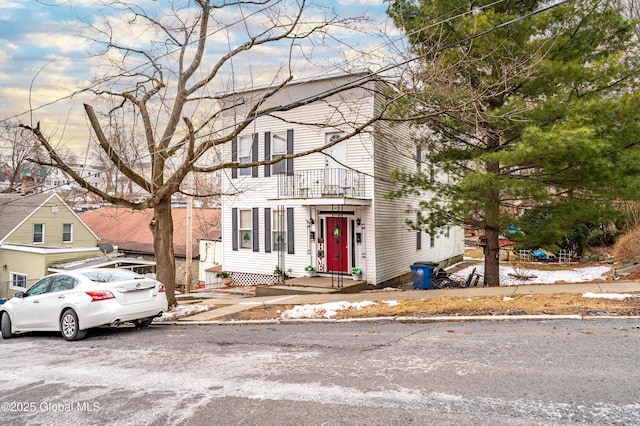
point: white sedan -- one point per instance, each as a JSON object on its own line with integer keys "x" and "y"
{"x": 75, "y": 301}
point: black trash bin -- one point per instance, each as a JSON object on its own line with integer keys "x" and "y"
{"x": 421, "y": 275}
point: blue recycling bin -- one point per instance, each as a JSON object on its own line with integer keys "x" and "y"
{"x": 421, "y": 275}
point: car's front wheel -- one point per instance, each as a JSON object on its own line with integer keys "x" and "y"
{"x": 70, "y": 327}
{"x": 5, "y": 326}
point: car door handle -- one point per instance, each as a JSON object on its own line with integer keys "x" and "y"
{"x": 36, "y": 301}
{"x": 61, "y": 297}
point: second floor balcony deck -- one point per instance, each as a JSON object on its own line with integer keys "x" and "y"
{"x": 322, "y": 183}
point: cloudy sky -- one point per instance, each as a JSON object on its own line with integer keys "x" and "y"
{"x": 46, "y": 55}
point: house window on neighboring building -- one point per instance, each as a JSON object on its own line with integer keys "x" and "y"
{"x": 418, "y": 159}
{"x": 433, "y": 240}
{"x": 419, "y": 240}
{"x": 279, "y": 230}
{"x": 38, "y": 233}
{"x": 244, "y": 153}
{"x": 18, "y": 280}
{"x": 67, "y": 232}
{"x": 279, "y": 148}
{"x": 245, "y": 229}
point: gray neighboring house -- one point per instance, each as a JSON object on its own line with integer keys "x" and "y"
{"x": 36, "y": 232}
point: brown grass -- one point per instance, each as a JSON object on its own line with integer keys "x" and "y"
{"x": 549, "y": 304}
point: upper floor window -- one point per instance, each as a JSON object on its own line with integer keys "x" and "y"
{"x": 277, "y": 144}
{"x": 244, "y": 153}
{"x": 67, "y": 232}
{"x": 279, "y": 148}
{"x": 38, "y": 233}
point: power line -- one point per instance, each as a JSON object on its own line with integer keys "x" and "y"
{"x": 368, "y": 76}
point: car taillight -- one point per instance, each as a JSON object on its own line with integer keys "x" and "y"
{"x": 161, "y": 288}
{"x": 100, "y": 295}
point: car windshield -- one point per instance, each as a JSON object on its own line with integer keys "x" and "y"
{"x": 112, "y": 275}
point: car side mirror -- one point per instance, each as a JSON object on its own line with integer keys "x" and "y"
{"x": 20, "y": 294}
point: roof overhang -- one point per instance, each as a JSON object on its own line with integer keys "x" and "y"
{"x": 47, "y": 249}
{"x": 102, "y": 262}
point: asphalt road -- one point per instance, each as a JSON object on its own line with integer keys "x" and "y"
{"x": 359, "y": 373}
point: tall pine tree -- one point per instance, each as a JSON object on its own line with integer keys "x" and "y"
{"x": 521, "y": 104}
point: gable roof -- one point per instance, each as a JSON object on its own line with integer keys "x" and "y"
{"x": 16, "y": 208}
{"x": 129, "y": 229}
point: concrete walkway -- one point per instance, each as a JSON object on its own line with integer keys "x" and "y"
{"x": 223, "y": 304}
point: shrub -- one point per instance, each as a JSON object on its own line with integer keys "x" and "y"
{"x": 627, "y": 248}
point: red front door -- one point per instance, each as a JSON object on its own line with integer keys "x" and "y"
{"x": 337, "y": 247}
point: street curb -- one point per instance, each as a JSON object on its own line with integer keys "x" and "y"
{"x": 465, "y": 318}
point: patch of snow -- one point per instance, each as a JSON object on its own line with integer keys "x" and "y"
{"x": 182, "y": 311}
{"x": 507, "y": 299}
{"x": 392, "y": 303}
{"x": 612, "y": 296}
{"x": 508, "y": 274}
{"x": 324, "y": 310}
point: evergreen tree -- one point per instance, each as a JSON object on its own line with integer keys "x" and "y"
{"x": 525, "y": 104}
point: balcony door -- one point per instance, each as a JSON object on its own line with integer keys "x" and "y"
{"x": 337, "y": 244}
{"x": 334, "y": 170}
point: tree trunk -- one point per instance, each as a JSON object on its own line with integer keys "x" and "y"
{"x": 492, "y": 222}
{"x": 492, "y": 257}
{"x": 162, "y": 229}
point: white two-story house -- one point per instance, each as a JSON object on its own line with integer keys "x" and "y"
{"x": 327, "y": 209}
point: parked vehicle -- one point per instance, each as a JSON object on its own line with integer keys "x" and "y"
{"x": 73, "y": 302}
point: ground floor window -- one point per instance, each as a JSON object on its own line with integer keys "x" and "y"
{"x": 245, "y": 229}
{"x": 18, "y": 281}
{"x": 279, "y": 230}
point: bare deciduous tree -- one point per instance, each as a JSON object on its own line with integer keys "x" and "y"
{"x": 15, "y": 150}
{"x": 166, "y": 76}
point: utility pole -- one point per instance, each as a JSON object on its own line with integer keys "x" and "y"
{"x": 189, "y": 246}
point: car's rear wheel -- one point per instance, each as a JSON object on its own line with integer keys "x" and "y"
{"x": 5, "y": 326}
{"x": 70, "y": 327}
{"x": 142, "y": 323}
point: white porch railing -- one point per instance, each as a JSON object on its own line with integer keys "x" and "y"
{"x": 322, "y": 183}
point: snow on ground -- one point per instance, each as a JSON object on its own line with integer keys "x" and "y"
{"x": 612, "y": 296}
{"x": 182, "y": 311}
{"x": 510, "y": 275}
{"x": 325, "y": 310}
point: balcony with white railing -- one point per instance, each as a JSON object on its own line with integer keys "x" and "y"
{"x": 322, "y": 183}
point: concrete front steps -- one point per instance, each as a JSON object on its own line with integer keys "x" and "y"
{"x": 313, "y": 285}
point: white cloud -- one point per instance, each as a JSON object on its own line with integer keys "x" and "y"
{"x": 62, "y": 42}
{"x": 9, "y": 4}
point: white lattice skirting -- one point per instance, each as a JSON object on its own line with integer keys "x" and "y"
{"x": 247, "y": 279}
